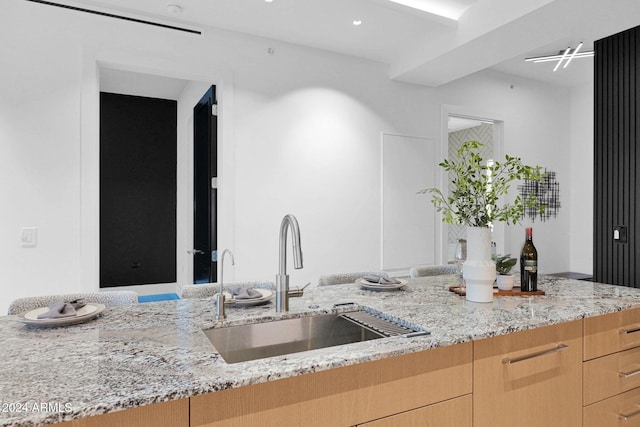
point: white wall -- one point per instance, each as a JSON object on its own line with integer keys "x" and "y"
{"x": 300, "y": 134}
{"x": 39, "y": 187}
{"x": 307, "y": 142}
{"x": 581, "y": 196}
{"x": 39, "y": 160}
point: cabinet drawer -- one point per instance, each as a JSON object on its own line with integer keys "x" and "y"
{"x": 174, "y": 413}
{"x": 344, "y": 396}
{"x": 611, "y": 333}
{"x": 452, "y": 413}
{"x": 611, "y": 375}
{"x": 530, "y": 378}
{"x": 622, "y": 410}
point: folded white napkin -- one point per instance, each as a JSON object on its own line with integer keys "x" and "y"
{"x": 245, "y": 293}
{"x": 61, "y": 309}
{"x": 381, "y": 280}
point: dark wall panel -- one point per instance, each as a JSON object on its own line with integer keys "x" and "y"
{"x": 137, "y": 190}
{"x": 616, "y": 159}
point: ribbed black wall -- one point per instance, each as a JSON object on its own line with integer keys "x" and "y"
{"x": 617, "y": 118}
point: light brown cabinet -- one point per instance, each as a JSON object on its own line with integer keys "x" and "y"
{"x": 612, "y": 370}
{"x": 455, "y": 412}
{"x": 580, "y": 373}
{"x": 622, "y": 410}
{"x": 530, "y": 378}
{"x": 166, "y": 414}
{"x": 609, "y": 375}
{"x": 610, "y": 333}
{"x": 344, "y": 396}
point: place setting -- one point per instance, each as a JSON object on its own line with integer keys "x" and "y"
{"x": 61, "y": 313}
{"x": 247, "y": 297}
{"x": 374, "y": 282}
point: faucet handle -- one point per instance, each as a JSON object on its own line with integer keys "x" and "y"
{"x": 297, "y": 292}
{"x": 220, "y": 303}
{"x": 228, "y": 297}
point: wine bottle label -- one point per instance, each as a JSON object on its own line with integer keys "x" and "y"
{"x": 531, "y": 265}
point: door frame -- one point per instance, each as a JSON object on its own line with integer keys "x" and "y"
{"x": 199, "y": 71}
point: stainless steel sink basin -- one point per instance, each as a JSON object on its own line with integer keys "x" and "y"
{"x": 275, "y": 338}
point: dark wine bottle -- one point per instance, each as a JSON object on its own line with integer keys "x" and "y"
{"x": 529, "y": 264}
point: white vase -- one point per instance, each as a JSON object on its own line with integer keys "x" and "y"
{"x": 479, "y": 271}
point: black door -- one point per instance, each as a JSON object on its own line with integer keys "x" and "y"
{"x": 205, "y": 172}
{"x": 137, "y": 190}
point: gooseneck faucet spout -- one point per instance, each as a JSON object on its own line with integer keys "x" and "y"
{"x": 220, "y": 299}
{"x": 282, "y": 278}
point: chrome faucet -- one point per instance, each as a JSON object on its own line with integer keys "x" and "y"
{"x": 220, "y": 299}
{"x": 282, "y": 278}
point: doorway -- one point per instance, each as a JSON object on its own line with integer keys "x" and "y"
{"x": 137, "y": 190}
{"x": 460, "y": 130}
{"x": 158, "y": 79}
{"x": 460, "y": 124}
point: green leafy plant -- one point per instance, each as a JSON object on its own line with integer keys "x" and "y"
{"x": 479, "y": 189}
{"x": 504, "y": 264}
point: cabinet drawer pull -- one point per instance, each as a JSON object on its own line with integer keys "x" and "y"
{"x": 630, "y": 330}
{"x": 625, "y": 417}
{"x": 559, "y": 347}
{"x": 628, "y": 374}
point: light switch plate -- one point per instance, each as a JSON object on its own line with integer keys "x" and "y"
{"x": 29, "y": 237}
{"x": 620, "y": 233}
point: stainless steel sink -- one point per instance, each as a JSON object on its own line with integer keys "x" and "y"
{"x": 275, "y": 338}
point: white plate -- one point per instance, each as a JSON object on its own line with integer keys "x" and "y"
{"x": 381, "y": 286}
{"x": 267, "y": 295}
{"x": 89, "y": 312}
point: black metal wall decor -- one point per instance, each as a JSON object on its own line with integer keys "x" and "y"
{"x": 546, "y": 192}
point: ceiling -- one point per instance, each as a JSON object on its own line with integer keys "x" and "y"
{"x": 420, "y": 47}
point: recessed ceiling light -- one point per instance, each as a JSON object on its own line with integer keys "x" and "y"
{"x": 174, "y": 9}
{"x": 357, "y": 22}
{"x": 268, "y": 1}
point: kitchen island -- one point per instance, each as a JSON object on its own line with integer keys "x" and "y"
{"x": 156, "y": 352}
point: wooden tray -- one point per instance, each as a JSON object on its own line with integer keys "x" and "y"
{"x": 515, "y": 292}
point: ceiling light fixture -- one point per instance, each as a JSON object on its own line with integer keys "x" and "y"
{"x": 357, "y": 22}
{"x": 568, "y": 54}
{"x": 268, "y": 1}
{"x": 573, "y": 55}
{"x": 564, "y": 55}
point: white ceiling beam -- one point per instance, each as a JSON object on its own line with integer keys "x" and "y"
{"x": 473, "y": 50}
{"x": 486, "y": 35}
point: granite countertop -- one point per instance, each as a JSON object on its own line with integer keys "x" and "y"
{"x": 153, "y": 352}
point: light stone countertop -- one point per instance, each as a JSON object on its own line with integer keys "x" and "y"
{"x": 153, "y": 352}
